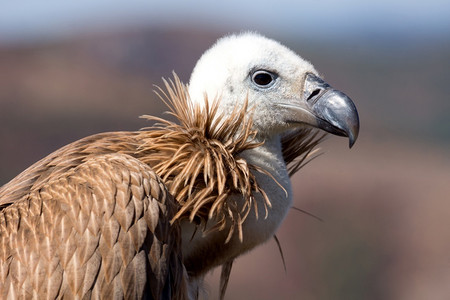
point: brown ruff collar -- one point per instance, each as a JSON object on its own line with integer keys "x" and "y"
{"x": 199, "y": 158}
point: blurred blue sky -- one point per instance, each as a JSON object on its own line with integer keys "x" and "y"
{"x": 48, "y": 19}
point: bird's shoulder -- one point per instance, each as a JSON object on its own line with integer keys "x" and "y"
{"x": 64, "y": 159}
{"x": 99, "y": 226}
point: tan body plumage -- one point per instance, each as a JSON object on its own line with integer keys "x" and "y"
{"x": 94, "y": 216}
{"x": 101, "y": 229}
{"x": 146, "y": 214}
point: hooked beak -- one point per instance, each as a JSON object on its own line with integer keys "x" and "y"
{"x": 326, "y": 108}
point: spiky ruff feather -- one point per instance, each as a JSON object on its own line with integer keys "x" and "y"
{"x": 200, "y": 158}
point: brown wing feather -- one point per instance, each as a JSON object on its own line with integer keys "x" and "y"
{"x": 101, "y": 229}
{"x": 64, "y": 159}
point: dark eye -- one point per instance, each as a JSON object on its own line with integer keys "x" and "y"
{"x": 263, "y": 78}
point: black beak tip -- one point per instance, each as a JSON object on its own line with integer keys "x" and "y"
{"x": 352, "y": 133}
{"x": 351, "y": 141}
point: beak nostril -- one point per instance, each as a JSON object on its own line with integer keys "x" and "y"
{"x": 313, "y": 94}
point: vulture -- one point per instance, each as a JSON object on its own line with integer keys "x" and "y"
{"x": 146, "y": 214}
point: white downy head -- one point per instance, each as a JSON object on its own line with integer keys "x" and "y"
{"x": 284, "y": 91}
{"x": 250, "y": 65}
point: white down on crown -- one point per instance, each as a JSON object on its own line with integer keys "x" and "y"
{"x": 225, "y": 71}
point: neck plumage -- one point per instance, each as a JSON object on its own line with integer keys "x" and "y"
{"x": 238, "y": 200}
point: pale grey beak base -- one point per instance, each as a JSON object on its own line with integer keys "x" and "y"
{"x": 335, "y": 112}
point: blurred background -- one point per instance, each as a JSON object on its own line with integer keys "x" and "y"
{"x": 68, "y": 70}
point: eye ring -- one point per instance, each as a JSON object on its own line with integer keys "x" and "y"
{"x": 263, "y": 78}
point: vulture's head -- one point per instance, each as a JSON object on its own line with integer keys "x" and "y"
{"x": 252, "y": 190}
{"x": 283, "y": 89}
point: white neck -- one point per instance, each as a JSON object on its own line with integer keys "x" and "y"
{"x": 269, "y": 157}
{"x": 211, "y": 250}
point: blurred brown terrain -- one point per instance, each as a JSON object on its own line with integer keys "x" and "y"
{"x": 385, "y": 203}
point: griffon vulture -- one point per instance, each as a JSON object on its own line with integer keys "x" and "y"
{"x": 146, "y": 214}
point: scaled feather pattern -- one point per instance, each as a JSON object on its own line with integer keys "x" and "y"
{"x": 100, "y": 217}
